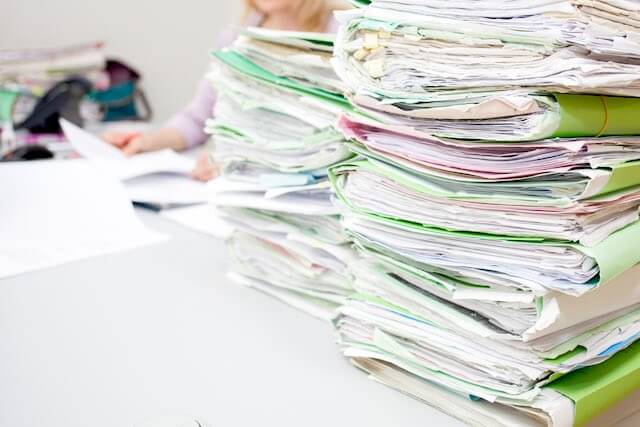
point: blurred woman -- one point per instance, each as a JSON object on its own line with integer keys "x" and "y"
{"x": 186, "y": 129}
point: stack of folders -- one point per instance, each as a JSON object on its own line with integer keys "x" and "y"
{"x": 274, "y": 134}
{"x": 494, "y": 201}
{"x": 27, "y": 74}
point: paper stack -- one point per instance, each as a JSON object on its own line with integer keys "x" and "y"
{"x": 495, "y": 206}
{"x": 278, "y": 102}
{"x": 491, "y": 66}
{"x": 27, "y": 74}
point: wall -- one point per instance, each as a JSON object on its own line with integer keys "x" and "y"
{"x": 168, "y": 41}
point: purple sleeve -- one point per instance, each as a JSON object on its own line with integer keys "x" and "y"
{"x": 190, "y": 121}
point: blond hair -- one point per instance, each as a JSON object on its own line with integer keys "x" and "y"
{"x": 313, "y": 15}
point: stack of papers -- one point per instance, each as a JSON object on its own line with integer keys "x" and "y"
{"x": 604, "y": 27}
{"x": 31, "y": 65}
{"x": 38, "y": 69}
{"x": 462, "y": 70}
{"x": 273, "y": 130}
{"x": 301, "y": 259}
{"x": 27, "y": 74}
{"x": 497, "y": 220}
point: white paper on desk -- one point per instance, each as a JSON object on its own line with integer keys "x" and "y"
{"x": 158, "y": 177}
{"x": 166, "y": 190}
{"x": 56, "y": 212}
{"x": 118, "y": 164}
{"x": 200, "y": 218}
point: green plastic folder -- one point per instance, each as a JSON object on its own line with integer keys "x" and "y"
{"x": 591, "y": 115}
{"x": 595, "y": 389}
{"x": 243, "y": 65}
{"x": 623, "y": 176}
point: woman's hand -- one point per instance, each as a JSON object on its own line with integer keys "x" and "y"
{"x": 135, "y": 142}
{"x": 205, "y": 170}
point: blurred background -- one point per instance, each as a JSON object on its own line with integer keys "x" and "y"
{"x": 151, "y": 36}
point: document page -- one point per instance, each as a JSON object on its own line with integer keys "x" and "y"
{"x": 54, "y": 212}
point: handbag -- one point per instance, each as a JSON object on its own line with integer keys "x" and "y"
{"x": 124, "y": 99}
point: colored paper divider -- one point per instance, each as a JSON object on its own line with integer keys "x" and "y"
{"x": 617, "y": 253}
{"x": 623, "y": 176}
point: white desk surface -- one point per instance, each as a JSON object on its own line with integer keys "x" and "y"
{"x": 126, "y": 339}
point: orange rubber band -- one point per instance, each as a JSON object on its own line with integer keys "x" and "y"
{"x": 606, "y": 117}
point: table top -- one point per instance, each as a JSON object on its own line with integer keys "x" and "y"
{"x": 138, "y": 337}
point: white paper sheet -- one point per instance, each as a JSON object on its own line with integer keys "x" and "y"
{"x": 158, "y": 177}
{"x": 200, "y": 218}
{"x": 54, "y": 212}
{"x": 166, "y": 190}
{"x": 118, "y": 164}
